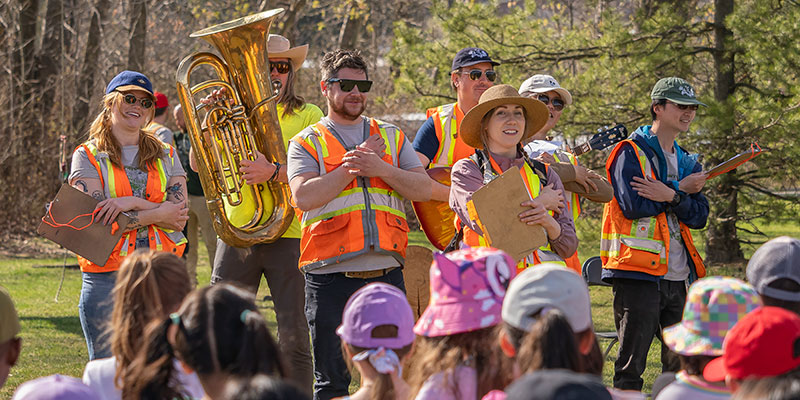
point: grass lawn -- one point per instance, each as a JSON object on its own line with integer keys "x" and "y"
{"x": 53, "y": 341}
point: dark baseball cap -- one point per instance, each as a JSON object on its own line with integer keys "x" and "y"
{"x": 675, "y": 90}
{"x": 557, "y": 384}
{"x": 471, "y": 56}
{"x": 130, "y": 80}
{"x": 779, "y": 258}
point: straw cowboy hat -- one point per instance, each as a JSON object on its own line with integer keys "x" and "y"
{"x": 279, "y": 47}
{"x": 536, "y": 113}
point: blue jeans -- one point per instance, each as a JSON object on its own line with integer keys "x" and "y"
{"x": 326, "y": 296}
{"x": 94, "y": 310}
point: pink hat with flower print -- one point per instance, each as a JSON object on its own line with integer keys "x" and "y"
{"x": 713, "y": 306}
{"x": 467, "y": 290}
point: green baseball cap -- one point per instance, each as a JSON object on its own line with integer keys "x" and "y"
{"x": 675, "y": 90}
{"x": 9, "y": 322}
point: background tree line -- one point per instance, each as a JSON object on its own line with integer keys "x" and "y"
{"x": 741, "y": 55}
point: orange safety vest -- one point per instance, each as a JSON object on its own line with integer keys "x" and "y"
{"x": 573, "y": 204}
{"x": 640, "y": 245}
{"x": 368, "y": 215}
{"x": 120, "y": 186}
{"x": 447, "y": 119}
{"x": 533, "y": 184}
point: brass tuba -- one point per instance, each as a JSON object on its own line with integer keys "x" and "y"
{"x": 233, "y": 128}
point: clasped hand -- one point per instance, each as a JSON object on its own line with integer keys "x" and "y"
{"x": 366, "y": 158}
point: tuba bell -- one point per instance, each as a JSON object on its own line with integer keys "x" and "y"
{"x": 232, "y": 129}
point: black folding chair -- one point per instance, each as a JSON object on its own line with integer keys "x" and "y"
{"x": 591, "y": 271}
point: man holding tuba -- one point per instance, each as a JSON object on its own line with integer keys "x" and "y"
{"x": 276, "y": 261}
{"x": 348, "y": 174}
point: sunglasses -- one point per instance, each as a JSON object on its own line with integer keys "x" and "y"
{"x": 557, "y": 103}
{"x": 281, "y": 66}
{"x": 475, "y": 74}
{"x": 684, "y": 107}
{"x": 347, "y": 85}
{"x": 131, "y": 99}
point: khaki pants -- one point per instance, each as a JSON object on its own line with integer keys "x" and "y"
{"x": 199, "y": 217}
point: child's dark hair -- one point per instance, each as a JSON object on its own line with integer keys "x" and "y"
{"x": 263, "y": 387}
{"x": 788, "y": 285}
{"x": 218, "y": 329}
{"x": 550, "y": 344}
{"x": 383, "y": 388}
{"x": 335, "y": 60}
{"x": 433, "y": 355}
{"x": 694, "y": 365}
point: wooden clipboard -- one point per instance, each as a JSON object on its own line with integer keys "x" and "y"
{"x": 498, "y": 207}
{"x": 734, "y": 161}
{"x": 95, "y": 242}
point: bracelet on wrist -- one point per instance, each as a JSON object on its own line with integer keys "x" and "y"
{"x": 275, "y": 173}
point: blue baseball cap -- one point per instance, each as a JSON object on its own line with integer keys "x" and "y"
{"x": 471, "y": 56}
{"x": 130, "y": 80}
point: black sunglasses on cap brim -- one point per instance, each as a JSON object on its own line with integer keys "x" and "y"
{"x": 347, "y": 85}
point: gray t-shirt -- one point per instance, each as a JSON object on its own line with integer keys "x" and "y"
{"x": 678, "y": 268}
{"x": 301, "y": 161}
{"x": 165, "y": 135}
{"x": 83, "y": 168}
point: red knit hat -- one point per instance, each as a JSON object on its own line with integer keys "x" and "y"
{"x": 764, "y": 343}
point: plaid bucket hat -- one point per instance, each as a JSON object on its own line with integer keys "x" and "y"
{"x": 713, "y": 306}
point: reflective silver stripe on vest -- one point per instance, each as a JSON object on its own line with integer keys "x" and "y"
{"x": 446, "y": 118}
{"x": 642, "y": 229}
{"x": 354, "y": 199}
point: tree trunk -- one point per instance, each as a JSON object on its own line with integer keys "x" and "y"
{"x": 288, "y": 30}
{"x": 91, "y": 58}
{"x": 351, "y": 29}
{"x": 722, "y": 243}
{"x": 48, "y": 59}
{"x": 138, "y": 35}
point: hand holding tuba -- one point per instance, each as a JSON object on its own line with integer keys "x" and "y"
{"x": 237, "y": 127}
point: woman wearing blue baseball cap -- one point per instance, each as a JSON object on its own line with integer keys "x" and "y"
{"x": 128, "y": 170}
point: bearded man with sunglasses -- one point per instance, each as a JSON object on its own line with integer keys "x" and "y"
{"x": 349, "y": 174}
{"x": 646, "y": 247}
{"x": 579, "y": 182}
{"x": 438, "y": 143}
{"x": 276, "y": 261}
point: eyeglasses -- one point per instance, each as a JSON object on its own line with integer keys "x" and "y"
{"x": 347, "y": 85}
{"x": 475, "y": 74}
{"x": 557, "y": 103}
{"x": 131, "y": 99}
{"x": 281, "y": 66}
{"x": 684, "y": 107}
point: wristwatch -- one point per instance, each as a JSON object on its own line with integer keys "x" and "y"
{"x": 675, "y": 199}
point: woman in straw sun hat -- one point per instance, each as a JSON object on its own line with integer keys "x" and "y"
{"x": 495, "y": 128}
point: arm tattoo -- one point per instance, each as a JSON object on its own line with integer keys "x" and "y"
{"x": 134, "y": 221}
{"x": 82, "y": 186}
{"x": 98, "y": 195}
{"x": 175, "y": 192}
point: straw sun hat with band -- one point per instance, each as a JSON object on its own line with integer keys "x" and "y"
{"x": 536, "y": 114}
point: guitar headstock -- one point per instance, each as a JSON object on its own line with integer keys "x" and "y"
{"x": 605, "y": 138}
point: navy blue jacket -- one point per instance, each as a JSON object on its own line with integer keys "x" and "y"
{"x": 692, "y": 209}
